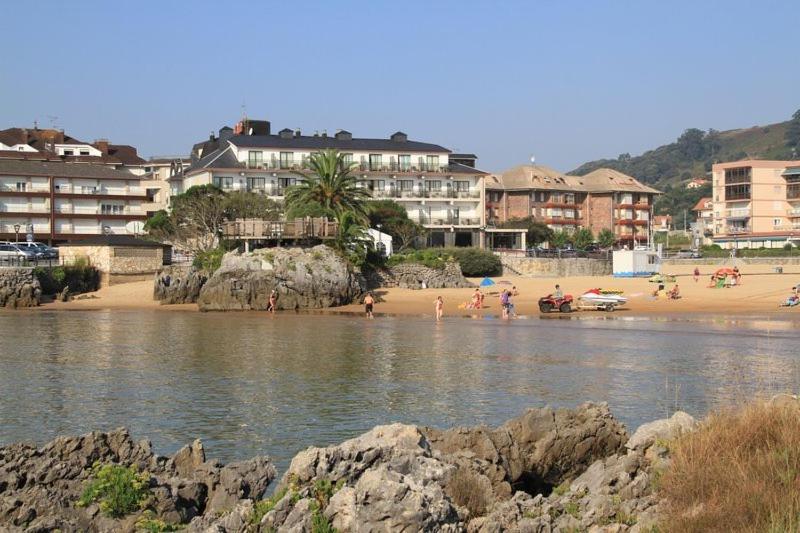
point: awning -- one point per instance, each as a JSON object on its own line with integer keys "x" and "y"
{"x": 792, "y": 171}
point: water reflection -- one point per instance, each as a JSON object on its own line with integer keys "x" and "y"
{"x": 252, "y": 383}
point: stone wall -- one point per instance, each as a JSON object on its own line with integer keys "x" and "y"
{"x": 19, "y": 288}
{"x": 412, "y": 276}
{"x": 117, "y": 264}
{"x": 550, "y": 267}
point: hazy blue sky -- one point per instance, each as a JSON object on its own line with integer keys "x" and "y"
{"x": 567, "y": 81}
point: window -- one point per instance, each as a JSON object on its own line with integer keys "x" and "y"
{"x": 375, "y": 161}
{"x": 776, "y": 221}
{"x": 569, "y": 198}
{"x": 223, "y": 182}
{"x": 462, "y": 186}
{"x": 432, "y": 163}
{"x": 287, "y": 159}
{"x": 256, "y": 184}
{"x": 286, "y": 182}
{"x": 84, "y": 152}
{"x": 68, "y": 152}
{"x": 21, "y": 186}
{"x": 433, "y": 185}
{"x": 734, "y": 176}
{"x": 406, "y": 185}
{"x": 347, "y": 159}
{"x": 405, "y": 162}
{"x": 255, "y": 158}
{"x": 111, "y": 209}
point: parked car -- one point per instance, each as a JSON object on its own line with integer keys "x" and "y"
{"x": 688, "y": 254}
{"x": 44, "y": 251}
{"x": 11, "y": 250}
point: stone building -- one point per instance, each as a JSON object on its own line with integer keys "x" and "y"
{"x": 118, "y": 258}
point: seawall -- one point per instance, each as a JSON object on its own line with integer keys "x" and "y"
{"x": 537, "y": 267}
{"x": 19, "y": 287}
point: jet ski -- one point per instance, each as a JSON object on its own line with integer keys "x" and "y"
{"x": 599, "y": 299}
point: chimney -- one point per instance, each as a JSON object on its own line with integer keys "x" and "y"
{"x": 297, "y": 132}
{"x": 399, "y": 137}
{"x": 285, "y": 133}
{"x": 102, "y": 145}
{"x": 325, "y": 133}
{"x": 211, "y": 137}
{"x": 344, "y": 135}
{"x": 225, "y": 133}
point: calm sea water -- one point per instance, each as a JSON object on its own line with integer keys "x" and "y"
{"x": 251, "y": 384}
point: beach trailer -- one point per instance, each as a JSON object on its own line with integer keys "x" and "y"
{"x": 636, "y": 263}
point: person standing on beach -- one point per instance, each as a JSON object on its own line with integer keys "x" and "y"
{"x": 369, "y": 302}
{"x": 696, "y": 274}
{"x": 273, "y": 300}
{"x": 439, "y": 308}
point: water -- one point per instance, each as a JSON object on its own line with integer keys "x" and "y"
{"x": 250, "y": 384}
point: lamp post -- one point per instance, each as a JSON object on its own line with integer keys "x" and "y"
{"x": 16, "y": 232}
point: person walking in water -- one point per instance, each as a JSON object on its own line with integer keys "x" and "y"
{"x": 369, "y": 303}
{"x": 273, "y": 300}
{"x": 505, "y": 300}
{"x": 439, "y": 307}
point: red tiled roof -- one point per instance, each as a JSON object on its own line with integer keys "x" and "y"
{"x": 700, "y": 206}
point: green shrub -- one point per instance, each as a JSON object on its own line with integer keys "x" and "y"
{"x": 210, "y": 260}
{"x": 149, "y": 523}
{"x": 119, "y": 490}
{"x": 79, "y": 277}
{"x": 476, "y": 262}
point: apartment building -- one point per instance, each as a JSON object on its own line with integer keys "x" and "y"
{"x": 440, "y": 190}
{"x": 756, "y": 203}
{"x": 59, "y": 201}
{"x": 602, "y": 199}
{"x": 156, "y": 180}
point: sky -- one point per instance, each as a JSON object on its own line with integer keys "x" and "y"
{"x": 564, "y": 81}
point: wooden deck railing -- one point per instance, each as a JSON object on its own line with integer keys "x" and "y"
{"x": 300, "y": 228}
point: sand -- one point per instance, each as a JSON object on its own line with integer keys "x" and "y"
{"x": 760, "y": 293}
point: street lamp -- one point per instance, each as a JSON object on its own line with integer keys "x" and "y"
{"x": 16, "y": 232}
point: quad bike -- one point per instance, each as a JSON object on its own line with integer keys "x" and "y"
{"x": 551, "y": 303}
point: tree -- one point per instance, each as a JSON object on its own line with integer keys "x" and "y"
{"x": 606, "y": 238}
{"x": 582, "y": 238}
{"x": 241, "y": 204}
{"x": 352, "y": 238}
{"x": 331, "y": 185}
{"x": 159, "y": 225}
{"x": 560, "y": 239}
{"x": 308, "y": 209}
{"x": 404, "y": 233}
{"x": 382, "y": 212}
{"x": 537, "y": 233}
{"x": 197, "y": 217}
{"x": 691, "y": 144}
{"x": 792, "y": 134}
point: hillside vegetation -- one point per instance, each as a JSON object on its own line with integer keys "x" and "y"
{"x": 670, "y": 166}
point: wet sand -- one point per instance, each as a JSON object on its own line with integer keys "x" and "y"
{"x": 760, "y": 293}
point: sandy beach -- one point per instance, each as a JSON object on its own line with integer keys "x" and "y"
{"x": 760, "y": 293}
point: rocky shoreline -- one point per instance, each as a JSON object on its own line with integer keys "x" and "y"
{"x": 546, "y": 470}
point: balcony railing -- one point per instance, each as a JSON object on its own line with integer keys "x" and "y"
{"x": 446, "y": 221}
{"x": 69, "y": 209}
{"x": 301, "y": 228}
{"x": 794, "y": 212}
{"x": 737, "y": 213}
{"x": 27, "y": 188}
{"x": 358, "y": 166}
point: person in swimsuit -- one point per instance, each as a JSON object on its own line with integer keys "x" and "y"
{"x": 439, "y": 307}
{"x": 369, "y": 302}
{"x": 273, "y": 300}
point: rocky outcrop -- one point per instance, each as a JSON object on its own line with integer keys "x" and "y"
{"x": 417, "y": 276}
{"x": 547, "y": 470}
{"x": 40, "y": 488}
{"x": 311, "y": 278}
{"x": 19, "y": 288}
{"x": 178, "y": 284}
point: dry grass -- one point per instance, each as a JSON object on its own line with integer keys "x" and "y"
{"x": 740, "y": 471}
{"x": 469, "y": 490}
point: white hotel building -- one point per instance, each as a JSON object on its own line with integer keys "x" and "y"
{"x": 440, "y": 190}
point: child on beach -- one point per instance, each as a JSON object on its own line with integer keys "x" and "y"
{"x": 439, "y": 308}
{"x": 696, "y": 274}
{"x": 369, "y": 302}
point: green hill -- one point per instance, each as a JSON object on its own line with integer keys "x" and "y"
{"x": 670, "y": 166}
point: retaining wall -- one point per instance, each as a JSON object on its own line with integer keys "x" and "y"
{"x": 540, "y": 267}
{"x": 19, "y": 287}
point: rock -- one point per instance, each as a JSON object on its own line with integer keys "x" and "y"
{"x": 665, "y": 429}
{"x": 413, "y": 276}
{"x": 64, "y": 295}
{"x": 40, "y": 487}
{"x": 19, "y": 288}
{"x": 311, "y": 278}
{"x": 178, "y": 284}
{"x": 784, "y": 400}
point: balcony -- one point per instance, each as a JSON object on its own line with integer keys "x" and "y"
{"x": 26, "y": 188}
{"x": 358, "y": 166}
{"x": 794, "y": 212}
{"x": 25, "y": 209}
{"x": 78, "y": 210}
{"x": 739, "y": 213}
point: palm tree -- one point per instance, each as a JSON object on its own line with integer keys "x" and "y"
{"x": 352, "y": 238}
{"x": 331, "y": 185}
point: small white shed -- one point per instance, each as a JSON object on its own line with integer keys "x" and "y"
{"x": 382, "y": 241}
{"x": 636, "y": 263}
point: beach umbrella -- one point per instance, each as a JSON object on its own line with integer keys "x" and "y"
{"x": 487, "y": 282}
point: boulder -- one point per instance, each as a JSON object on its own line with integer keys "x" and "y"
{"x": 40, "y": 487}
{"x": 310, "y": 278}
{"x": 19, "y": 288}
{"x": 178, "y": 284}
{"x": 664, "y": 429}
{"x": 415, "y": 276}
